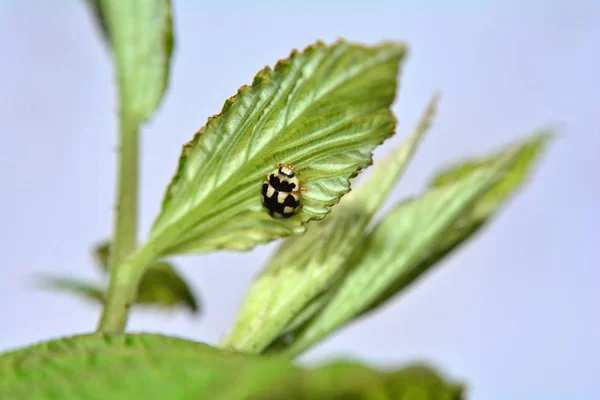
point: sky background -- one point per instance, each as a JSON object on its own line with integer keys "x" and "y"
{"x": 514, "y": 313}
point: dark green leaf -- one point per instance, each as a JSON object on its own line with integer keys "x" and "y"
{"x": 102, "y": 255}
{"x": 162, "y": 286}
{"x": 145, "y": 366}
{"x": 96, "y": 7}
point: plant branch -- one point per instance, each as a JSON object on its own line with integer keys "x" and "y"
{"x": 141, "y": 38}
{"x": 123, "y": 288}
{"x": 124, "y": 239}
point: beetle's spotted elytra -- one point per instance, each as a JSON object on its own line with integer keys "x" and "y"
{"x": 282, "y": 192}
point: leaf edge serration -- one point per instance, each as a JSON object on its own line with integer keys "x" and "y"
{"x": 263, "y": 77}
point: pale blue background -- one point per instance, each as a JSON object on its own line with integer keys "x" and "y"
{"x": 515, "y": 313}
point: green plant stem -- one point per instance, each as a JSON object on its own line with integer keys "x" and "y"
{"x": 124, "y": 242}
{"x": 125, "y": 278}
{"x": 122, "y": 290}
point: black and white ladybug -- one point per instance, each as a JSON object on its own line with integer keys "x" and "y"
{"x": 281, "y": 192}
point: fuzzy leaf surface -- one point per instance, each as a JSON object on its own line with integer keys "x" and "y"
{"x": 395, "y": 246}
{"x": 305, "y": 266}
{"x": 324, "y": 110}
{"x": 146, "y": 366}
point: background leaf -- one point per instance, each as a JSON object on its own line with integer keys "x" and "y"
{"x": 96, "y": 6}
{"x": 284, "y": 294}
{"x": 102, "y": 255}
{"x": 323, "y": 110}
{"x": 88, "y": 290}
{"x": 393, "y": 249}
{"x": 141, "y": 36}
{"x": 160, "y": 286}
{"x": 526, "y": 156}
{"x": 145, "y": 366}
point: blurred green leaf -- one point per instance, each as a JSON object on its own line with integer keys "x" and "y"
{"x": 145, "y": 366}
{"x": 141, "y": 37}
{"x": 323, "y": 110}
{"x": 394, "y": 248}
{"x": 526, "y": 155}
{"x": 304, "y": 267}
{"x": 162, "y": 286}
{"x": 102, "y": 255}
{"x": 96, "y": 6}
{"x": 88, "y": 290}
{"x": 527, "y": 151}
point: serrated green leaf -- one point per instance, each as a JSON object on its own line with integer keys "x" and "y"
{"x": 141, "y": 36}
{"x": 323, "y": 110}
{"x": 146, "y": 366}
{"x": 283, "y": 295}
{"x": 394, "y": 248}
{"x": 88, "y": 290}
{"x": 526, "y": 156}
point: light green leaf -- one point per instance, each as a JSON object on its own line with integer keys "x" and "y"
{"x": 526, "y": 156}
{"x": 527, "y": 151}
{"x": 283, "y": 295}
{"x": 141, "y": 36}
{"x": 88, "y": 290}
{"x": 323, "y": 110}
{"x": 396, "y": 245}
{"x": 145, "y": 366}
